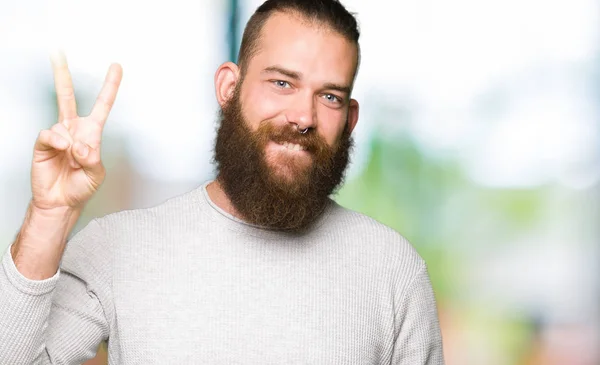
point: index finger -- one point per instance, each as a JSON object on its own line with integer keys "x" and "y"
{"x": 65, "y": 95}
{"x": 108, "y": 94}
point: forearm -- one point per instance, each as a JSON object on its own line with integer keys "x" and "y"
{"x": 40, "y": 244}
{"x": 61, "y": 315}
{"x": 25, "y": 307}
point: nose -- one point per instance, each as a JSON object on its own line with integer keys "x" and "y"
{"x": 302, "y": 112}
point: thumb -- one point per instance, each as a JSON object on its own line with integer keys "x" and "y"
{"x": 88, "y": 158}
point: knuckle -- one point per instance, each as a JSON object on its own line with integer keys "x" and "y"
{"x": 58, "y": 127}
{"x": 61, "y": 130}
{"x": 66, "y": 94}
{"x": 94, "y": 159}
{"x": 107, "y": 102}
{"x": 44, "y": 134}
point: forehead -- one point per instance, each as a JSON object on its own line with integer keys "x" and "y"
{"x": 312, "y": 49}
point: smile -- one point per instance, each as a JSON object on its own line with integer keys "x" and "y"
{"x": 293, "y": 146}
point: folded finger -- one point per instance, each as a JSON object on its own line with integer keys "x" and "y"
{"x": 63, "y": 131}
{"x": 89, "y": 159}
{"x": 49, "y": 140}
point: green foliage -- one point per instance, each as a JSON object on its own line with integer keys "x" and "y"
{"x": 432, "y": 202}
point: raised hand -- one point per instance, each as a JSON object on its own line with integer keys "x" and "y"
{"x": 66, "y": 169}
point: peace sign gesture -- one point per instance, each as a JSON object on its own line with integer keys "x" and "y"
{"x": 66, "y": 169}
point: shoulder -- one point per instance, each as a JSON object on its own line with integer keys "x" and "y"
{"x": 173, "y": 210}
{"x": 375, "y": 237}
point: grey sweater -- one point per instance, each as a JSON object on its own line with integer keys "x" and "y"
{"x": 186, "y": 283}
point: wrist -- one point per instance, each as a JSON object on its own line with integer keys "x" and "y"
{"x": 55, "y": 213}
{"x": 46, "y": 227}
{"x": 42, "y": 239}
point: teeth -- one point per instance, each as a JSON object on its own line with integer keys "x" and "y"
{"x": 293, "y": 146}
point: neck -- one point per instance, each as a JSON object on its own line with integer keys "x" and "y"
{"x": 219, "y": 197}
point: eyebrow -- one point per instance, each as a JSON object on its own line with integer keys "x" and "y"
{"x": 298, "y": 76}
{"x": 340, "y": 88}
{"x": 278, "y": 69}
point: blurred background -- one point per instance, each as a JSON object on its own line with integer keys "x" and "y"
{"x": 478, "y": 140}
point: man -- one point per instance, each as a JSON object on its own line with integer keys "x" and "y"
{"x": 256, "y": 267}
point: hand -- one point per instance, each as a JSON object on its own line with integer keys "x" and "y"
{"x": 66, "y": 169}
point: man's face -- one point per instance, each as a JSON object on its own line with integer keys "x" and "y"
{"x": 301, "y": 76}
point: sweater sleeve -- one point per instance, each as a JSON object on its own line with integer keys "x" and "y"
{"x": 419, "y": 340}
{"x": 60, "y": 320}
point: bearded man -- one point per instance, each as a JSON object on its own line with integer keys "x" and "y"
{"x": 259, "y": 266}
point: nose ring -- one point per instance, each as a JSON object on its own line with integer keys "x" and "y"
{"x": 301, "y": 131}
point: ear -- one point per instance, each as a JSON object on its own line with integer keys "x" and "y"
{"x": 226, "y": 78}
{"x": 353, "y": 110}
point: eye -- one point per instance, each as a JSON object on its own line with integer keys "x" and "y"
{"x": 333, "y": 98}
{"x": 281, "y": 84}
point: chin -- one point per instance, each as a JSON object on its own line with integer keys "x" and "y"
{"x": 288, "y": 172}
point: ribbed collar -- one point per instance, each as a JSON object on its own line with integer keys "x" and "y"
{"x": 228, "y": 221}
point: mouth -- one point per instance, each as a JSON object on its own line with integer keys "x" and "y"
{"x": 288, "y": 148}
{"x": 292, "y": 146}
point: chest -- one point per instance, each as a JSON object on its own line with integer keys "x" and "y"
{"x": 234, "y": 309}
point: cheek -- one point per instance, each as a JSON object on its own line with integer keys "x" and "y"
{"x": 259, "y": 104}
{"x": 331, "y": 124}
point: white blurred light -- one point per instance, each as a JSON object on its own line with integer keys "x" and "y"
{"x": 536, "y": 142}
{"x": 446, "y": 54}
{"x": 166, "y": 103}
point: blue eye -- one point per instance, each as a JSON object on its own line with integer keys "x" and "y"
{"x": 281, "y": 84}
{"x": 332, "y": 98}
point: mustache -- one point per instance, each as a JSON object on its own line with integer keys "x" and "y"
{"x": 311, "y": 140}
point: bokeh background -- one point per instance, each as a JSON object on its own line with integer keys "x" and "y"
{"x": 478, "y": 140}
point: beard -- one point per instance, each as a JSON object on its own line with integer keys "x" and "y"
{"x": 280, "y": 192}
